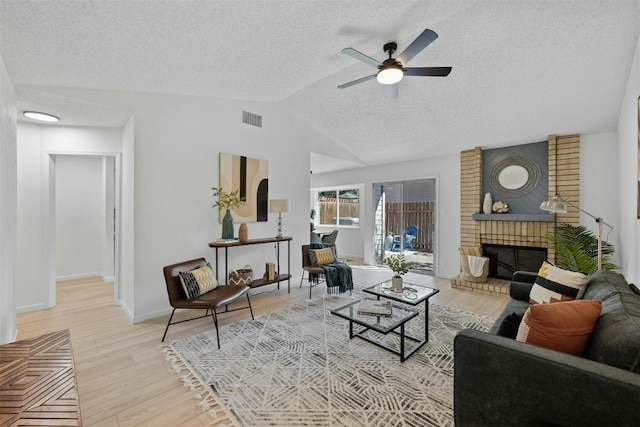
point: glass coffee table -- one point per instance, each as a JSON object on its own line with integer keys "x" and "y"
{"x": 412, "y": 295}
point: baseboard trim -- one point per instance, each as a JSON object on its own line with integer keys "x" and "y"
{"x": 79, "y": 276}
{"x": 29, "y": 308}
{"x": 148, "y": 316}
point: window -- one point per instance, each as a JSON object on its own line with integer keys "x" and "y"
{"x": 339, "y": 207}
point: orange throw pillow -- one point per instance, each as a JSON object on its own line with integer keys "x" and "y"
{"x": 561, "y": 326}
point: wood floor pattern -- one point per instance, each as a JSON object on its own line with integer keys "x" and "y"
{"x": 37, "y": 382}
{"x": 122, "y": 376}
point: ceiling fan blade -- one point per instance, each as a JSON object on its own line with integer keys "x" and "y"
{"x": 355, "y": 82}
{"x": 423, "y": 40}
{"x": 392, "y": 91}
{"x": 428, "y": 71}
{"x": 360, "y": 56}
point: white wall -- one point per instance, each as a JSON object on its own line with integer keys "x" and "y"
{"x": 178, "y": 141}
{"x": 125, "y": 250}
{"x": 627, "y": 174}
{"x": 80, "y": 216}
{"x": 598, "y": 190}
{"x": 446, "y": 171}
{"x": 171, "y": 150}
{"x": 32, "y": 290}
{"x": 35, "y": 256}
{"x": 109, "y": 197}
{"x": 8, "y": 197}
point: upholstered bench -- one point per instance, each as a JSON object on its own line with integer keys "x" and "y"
{"x": 201, "y": 292}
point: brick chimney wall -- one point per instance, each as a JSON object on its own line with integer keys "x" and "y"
{"x": 564, "y": 179}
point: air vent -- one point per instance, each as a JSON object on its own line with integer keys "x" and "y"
{"x": 251, "y": 119}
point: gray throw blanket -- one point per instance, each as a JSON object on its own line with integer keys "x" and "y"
{"x": 339, "y": 278}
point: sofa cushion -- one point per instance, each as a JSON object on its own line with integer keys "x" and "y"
{"x": 199, "y": 281}
{"x": 554, "y": 284}
{"x": 616, "y": 337}
{"x": 562, "y": 326}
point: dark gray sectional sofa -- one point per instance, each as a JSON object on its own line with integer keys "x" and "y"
{"x": 499, "y": 381}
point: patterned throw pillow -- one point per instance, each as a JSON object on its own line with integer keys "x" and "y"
{"x": 554, "y": 284}
{"x": 320, "y": 257}
{"x": 563, "y": 326}
{"x": 199, "y": 281}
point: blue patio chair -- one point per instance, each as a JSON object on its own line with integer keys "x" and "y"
{"x": 409, "y": 236}
{"x": 412, "y": 234}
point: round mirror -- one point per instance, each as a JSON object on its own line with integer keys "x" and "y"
{"x": 513, "y": 177}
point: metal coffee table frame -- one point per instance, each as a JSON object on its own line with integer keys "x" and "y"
{"x": 381, "y": 324}
{"x": 411, "y": 294}
{"x": 400, "y": 316}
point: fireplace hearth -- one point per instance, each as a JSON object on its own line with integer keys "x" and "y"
{"x": 504, "y": 260}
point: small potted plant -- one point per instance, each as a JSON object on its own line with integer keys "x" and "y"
{"x": 226, "y": 200}
{"x": 400, "y": 266}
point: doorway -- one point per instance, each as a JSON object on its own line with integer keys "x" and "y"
{"x": 405, "y": 222}
{"x": 110, "y": 239}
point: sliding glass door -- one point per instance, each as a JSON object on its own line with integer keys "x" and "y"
{"x": 405, "y": 221}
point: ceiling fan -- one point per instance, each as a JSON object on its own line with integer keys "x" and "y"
{"x": 391, "y": 71}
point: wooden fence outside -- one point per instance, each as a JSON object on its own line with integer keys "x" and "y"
{"x": 398, "y": 216}
{"x": 327, "y": 207}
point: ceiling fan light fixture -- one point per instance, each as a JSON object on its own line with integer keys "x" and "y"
{"x": 390, "y": 75}
{"x": 43, "y": 117}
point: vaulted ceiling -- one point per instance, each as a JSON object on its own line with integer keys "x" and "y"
{"x": 521, "y": 69}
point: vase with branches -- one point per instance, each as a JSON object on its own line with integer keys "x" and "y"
{"x": 226, "y": 200}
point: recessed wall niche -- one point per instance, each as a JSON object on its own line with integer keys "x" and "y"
{"x": 517, "y": 175}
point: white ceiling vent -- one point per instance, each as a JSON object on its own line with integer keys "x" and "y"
{"x": 251, "y": 119}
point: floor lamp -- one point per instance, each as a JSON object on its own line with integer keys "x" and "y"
{"x": 279, "y": 206}
{"x": 559, "y": 205}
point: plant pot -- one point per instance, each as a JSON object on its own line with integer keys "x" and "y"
{"x": 227, "y": 225}
{"x": 396, "y": 283}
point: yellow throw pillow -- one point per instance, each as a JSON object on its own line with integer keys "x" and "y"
{"x": 321, "y": 256}
{"x": 199, "y": 281}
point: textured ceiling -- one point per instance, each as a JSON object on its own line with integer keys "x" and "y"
{"x": 521, "y": 69}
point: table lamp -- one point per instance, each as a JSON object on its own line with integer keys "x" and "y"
{"x": 279, "y": 206}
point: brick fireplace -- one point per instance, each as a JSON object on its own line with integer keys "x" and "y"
{"x": 510, "y": 230}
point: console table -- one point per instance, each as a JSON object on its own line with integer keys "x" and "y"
{"x": 260, "y": 281}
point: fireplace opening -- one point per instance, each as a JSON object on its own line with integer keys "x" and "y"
{"x": 505, "y": 260}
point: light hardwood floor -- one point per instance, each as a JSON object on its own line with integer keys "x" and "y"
{"x": 123, "y": 378}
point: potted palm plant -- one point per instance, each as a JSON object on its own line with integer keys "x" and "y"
{"x": 226, "y": 200}
{"x": 577, "y": 249}
{"x": 400, "y": 266}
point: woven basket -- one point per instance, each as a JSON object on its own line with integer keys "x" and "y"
{"x": 241, "y": 276}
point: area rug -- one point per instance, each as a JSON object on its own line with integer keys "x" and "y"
{"x": 296, "y": 366}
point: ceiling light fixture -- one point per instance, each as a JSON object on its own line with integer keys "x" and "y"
{"x": 43, "y": 117}
{"x": 390, "y": 73}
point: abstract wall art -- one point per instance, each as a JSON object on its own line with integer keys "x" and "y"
{"x": 251, "y": 178}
